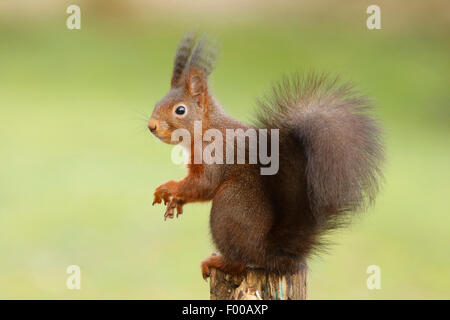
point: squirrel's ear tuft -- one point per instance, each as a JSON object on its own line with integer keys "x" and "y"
{"x": 182, "y": 55}
{"x": 204, "y": 56}
{"x": 200, "y": 65}
{"x": 188, "y": 59}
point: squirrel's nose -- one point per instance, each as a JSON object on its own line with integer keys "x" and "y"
{"x": 153, "y": 124}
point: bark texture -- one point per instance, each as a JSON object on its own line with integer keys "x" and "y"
{"x": 257, "y": 284}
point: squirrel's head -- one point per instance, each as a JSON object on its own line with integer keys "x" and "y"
{"x": 188, "y": 99}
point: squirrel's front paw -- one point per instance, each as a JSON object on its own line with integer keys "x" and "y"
{"x": 174, "y": 203}
{"x": 160, "y": 196}
{"x": 166, "y": 193}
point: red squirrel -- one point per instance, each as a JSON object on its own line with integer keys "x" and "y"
{"x": 330, "y": 154}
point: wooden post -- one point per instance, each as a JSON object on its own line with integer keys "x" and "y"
{"x": 257, "y": 284}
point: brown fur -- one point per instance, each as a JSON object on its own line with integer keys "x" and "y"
{"x": 330, "y": 156}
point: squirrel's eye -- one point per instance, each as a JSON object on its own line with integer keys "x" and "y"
{"x": 180, "y": 110}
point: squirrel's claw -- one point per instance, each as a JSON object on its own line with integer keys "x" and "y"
{"x": 179, "y": 208}
{"x": 167, "y": 193}
{"x": 179, "y": 211}
{"x": 209, "y": 262}
{"x": 205, "y": 271}
{"x": 159, "y": 196}
{"x": 173, "y": 204}
{"x": 170, "y": 210}
{"x": 168, "y": 215}
{"x": 156, "y": 199}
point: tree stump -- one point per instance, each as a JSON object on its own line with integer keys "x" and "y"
{"x": 257, "y": 284}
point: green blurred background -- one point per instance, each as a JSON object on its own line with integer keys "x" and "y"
{"x": 78, "y": 166}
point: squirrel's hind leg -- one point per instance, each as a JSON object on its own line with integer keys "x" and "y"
{"x": 218, "y": 262}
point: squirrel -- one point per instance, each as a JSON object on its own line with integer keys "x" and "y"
{"x": 330, "y": 164}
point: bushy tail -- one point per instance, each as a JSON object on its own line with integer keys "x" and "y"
{"x": 340, "y": 141}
